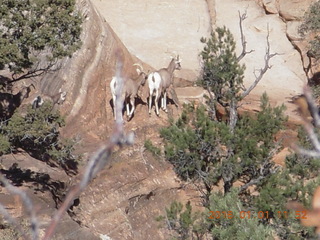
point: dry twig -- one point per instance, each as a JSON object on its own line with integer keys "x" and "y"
{"x": 263, "y": 70}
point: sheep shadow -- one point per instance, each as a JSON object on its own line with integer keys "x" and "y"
{"x": 5, "y": 84}
{"x": 170, "y": 101}
{"x": 138, "y": 101}
{"x": 315, "y": 79}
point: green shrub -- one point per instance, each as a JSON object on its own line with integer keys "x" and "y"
{"x": 37, "y": 132}
{"x": 47, "y": 30}
{"x": 311, "y": 23}
{"x": 230, "y": 224}
{"x": 151, "y": 148}
{"x": 184, "y": 222}
{"x": 203, "y": 149}
{"x": 4, "y": 144}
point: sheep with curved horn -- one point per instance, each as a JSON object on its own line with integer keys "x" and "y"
{"x": 129, "y": 91}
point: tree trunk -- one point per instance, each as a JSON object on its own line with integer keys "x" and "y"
{"x": 233, "y": 115}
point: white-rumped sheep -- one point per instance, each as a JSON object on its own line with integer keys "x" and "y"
{"x": 57, "y": 98}
{"x": 160, "y": 81}
{"x": 130, "y": 90}
{"x": 10, "y": 102}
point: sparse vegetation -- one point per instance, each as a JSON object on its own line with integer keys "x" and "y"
{"x": 151, "y": 148}
{"x": 311, "y": 24}
{"x": 37, "y": 132}
{"x": 185, "y": 223}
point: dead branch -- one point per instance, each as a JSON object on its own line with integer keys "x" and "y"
{"x": 263, "y": 70}
{"x": 312, "y": 106}
{"x": 264, "y": 171}
{"x": 243, "y": 39}
{"x": 309, "y": 128}
{"x": 35, "y": 72}
{"x": 28, "y": 205}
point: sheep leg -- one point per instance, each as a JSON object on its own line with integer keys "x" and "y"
{"x": 150, "y": 102}
{"x": 162, "y": 103}
{"x": 156, "y": 101}
{"x": 128, "y": 109}
{"x": 121, "y": 118}
{"x": 132, "y": 100}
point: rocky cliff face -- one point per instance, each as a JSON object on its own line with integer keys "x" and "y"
{"x": 86, "y": 76}
{"x": 123, "y": 201}
{"x": 189, "y": 21}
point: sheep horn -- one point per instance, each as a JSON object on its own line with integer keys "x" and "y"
{"x": 139, "y": 65}
{"x": 139, "y": 71}
{"x": 174, "y": 54}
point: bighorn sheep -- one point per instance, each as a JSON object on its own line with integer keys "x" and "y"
{"x": 10, "y": 102}
{"x": 160, "y": 81}
{"x": 57, "y": 98}
{"x": 130, "y": 90}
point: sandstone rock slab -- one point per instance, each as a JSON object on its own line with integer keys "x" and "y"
{"x": 152, "y": 30}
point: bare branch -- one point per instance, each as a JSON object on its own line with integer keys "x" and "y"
{"x": 35, "y": 72}
{"x": 312, "y": 136}
{"x": 313, "y": 108}
{"x": 309, "y": 128}
{"x": 306, "y": 152}
{"x": 251, "y": 182}
{"x": 263, "y": 70}
{"x": 243, "y": 39}
{"x": 265, "y": 169}
{"x": 12, "y": 221}
{"x": 28, "y": 205}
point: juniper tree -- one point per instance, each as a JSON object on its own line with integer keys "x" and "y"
{"x": 34, "y": 34}
{"x": 199, "y": 148}
{"x": 223, "y": 73}
{"x": 38, "y": 133}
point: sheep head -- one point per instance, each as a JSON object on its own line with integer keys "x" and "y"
{"x": 25, "y": 91}
{"x": 63, "y": 96}
{"x": 141, "y": 74}
{"x": 177, "y": 62}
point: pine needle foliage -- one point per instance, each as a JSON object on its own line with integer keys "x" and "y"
{"x": 184, "y": 222}
{"x": 37, "y": 132}
{"x": 222, "y": 73}
{"x": 227, "y": 223}
{"x": 199, "y": 148}
{"x": 33, "y": 30}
